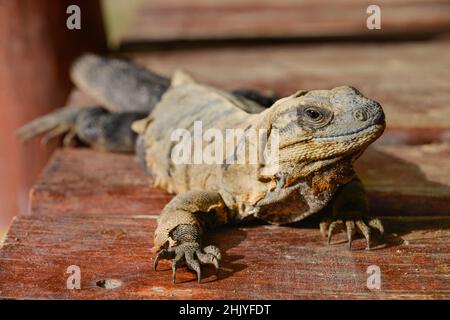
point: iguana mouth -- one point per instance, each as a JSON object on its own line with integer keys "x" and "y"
{"x": 375, "y": 128}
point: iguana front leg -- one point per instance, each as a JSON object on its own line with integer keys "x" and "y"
{"x": 351, "y": 214}
{"x": 180, "y": 228}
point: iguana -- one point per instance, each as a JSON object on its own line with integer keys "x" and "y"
{"x": 321, "y": 134}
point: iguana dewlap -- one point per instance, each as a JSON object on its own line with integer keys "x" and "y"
{"x": 320, "y": 134}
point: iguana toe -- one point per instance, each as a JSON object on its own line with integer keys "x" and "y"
{"x": 193, "y": 264}
{"x": 163, "y": 254}
{"x": 351, "y": 230}
{"x": 208, "y": 258}
{"x": 351, "y": 226}
{"x": 192, "y": 255}
{"x": 334, "y": 228}
{"x": 324, "y": 225}
{"x": 376, "y": 224}
{"x": 175, "y": 263}
{"x": 54, "y": 124}
{"x": 214, "y": 251}
{"x": 365, "y": 230}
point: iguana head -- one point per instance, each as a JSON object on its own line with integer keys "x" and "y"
{"x": 317, "y": 127}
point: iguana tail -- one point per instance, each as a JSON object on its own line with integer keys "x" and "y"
{"x": 118, "y": 85}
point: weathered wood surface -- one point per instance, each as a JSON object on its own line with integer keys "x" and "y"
{"x": 411, "y": 81}
{"x": 260, "y": 261}
{"x": 198, "y": 19}
{"x": 407, "y": 180}
{"x": 36, "y": 50}
{"x": 400, "y": 180}
{"x": 98, "y": 210}
{"x": 88, "y": 182}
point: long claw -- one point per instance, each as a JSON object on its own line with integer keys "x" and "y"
{"x": 214, "y": 251}
{"x": 365, "y": 231}
{"x": 330, "y": 232}
{"x": 324, "y": 225}
{"x": 68, "y": 138}
{"x": 163, "y": 254}
{"x": 334, "y": 227}
{"x": 194, "y": 265}
{"x": 176, "y": 261}
{"x": 376, "y": 224}
{"x": 59, "y": 130}
{"x": 216, "y": 264}
{"x": 192, "y": 255}
{"x": 174, "y": 272}
{"x": 155, "y": 262}
{"x": 63, "y": 116}
{"x": 208, "y": 258}
{"x": 350, "y": 226}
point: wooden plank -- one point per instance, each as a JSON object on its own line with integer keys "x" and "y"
{"x": 407, "y": 180}
{"x": 259, "y": 261}
{"x": 198, "y": 19}
{"x": 36, "y": 50}
{"x": 400, "y": 180}
{"x": 411, "y": 80}
{"x": 84, "y": 181}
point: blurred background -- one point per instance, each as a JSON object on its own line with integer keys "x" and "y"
{"x": 270, "y": 45}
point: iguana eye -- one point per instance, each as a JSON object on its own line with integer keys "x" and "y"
{"x": 313, "y": 114}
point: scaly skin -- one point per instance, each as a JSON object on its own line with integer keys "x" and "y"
{"x": 322, "y": 133}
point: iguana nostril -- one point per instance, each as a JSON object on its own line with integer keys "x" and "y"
{"x": 360, "y": 115}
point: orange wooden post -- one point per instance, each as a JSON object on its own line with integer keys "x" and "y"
{"x": 36, "y": 49}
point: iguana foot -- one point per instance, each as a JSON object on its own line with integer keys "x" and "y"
{"x": 329, "y": 227}
{"x": 59, "y": 122}
{"x": 192, "y": 255}
{"x": 95, "y": 126}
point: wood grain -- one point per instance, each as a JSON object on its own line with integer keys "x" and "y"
{"x": 219, "y": 19}
{"x": 407, "y": 180}
{"x": 400, "y": 180}
{"x": 85, "y": 181}
{"x": 36, "y": 50}
{"x": 260, "y": 261}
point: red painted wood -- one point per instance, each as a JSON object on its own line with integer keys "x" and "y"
{"x": 36, "y": 50}
{"x": 84, "y": 181}
{"x": 259, "y": 261}
{"x": 197, "y": 19}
